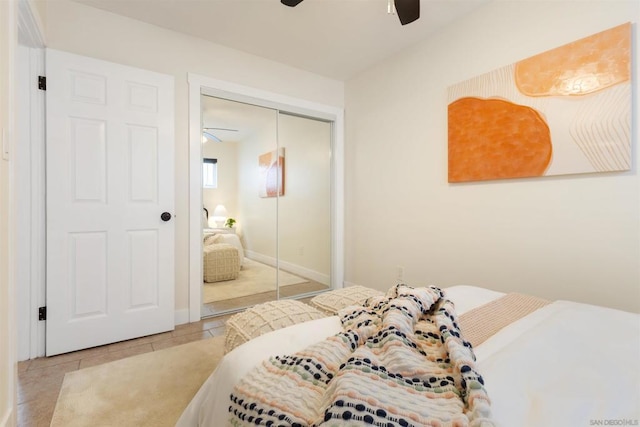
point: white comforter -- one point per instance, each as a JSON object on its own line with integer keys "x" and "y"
{"x": 566, "y": 364}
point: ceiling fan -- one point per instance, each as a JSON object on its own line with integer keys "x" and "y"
{"x": 207, "y": 134}
{"x": 408, "y": 10}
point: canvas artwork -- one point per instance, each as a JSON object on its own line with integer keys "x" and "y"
{"x": 564, "y": 111}
{"x": 271, "y": 167}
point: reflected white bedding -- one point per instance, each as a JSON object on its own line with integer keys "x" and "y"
{"x": 566, "y": 364}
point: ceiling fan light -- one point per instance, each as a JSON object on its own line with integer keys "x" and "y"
{"x": 408, "y": 10}
{"x": 291, "y": 3}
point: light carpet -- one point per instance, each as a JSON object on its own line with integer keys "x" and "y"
{"x": 255, "y": 278}
{"x": 150, "y": 389}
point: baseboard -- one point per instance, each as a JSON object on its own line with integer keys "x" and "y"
{"x": 349, "y": 284}
{"x": 305, "y": 272}
{"x": 182, "y": 316}
{"x": 7, "y": 418}
{"x": 325, "y": 279}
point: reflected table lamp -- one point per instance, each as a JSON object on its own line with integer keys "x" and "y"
{"x": 220, "y": 215}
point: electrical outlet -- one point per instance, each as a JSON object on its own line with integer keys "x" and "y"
{"x": 400, "y": 273}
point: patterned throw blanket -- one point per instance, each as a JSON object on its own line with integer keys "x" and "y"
{"x": 400, "y": 361}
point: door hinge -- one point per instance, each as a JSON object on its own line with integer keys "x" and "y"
{"x": 42, "y": 83}
{"x": 42, "y": 313}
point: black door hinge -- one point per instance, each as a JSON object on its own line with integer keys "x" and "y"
{"x": 42, "y": 83}
{"x": 42, "y": 313}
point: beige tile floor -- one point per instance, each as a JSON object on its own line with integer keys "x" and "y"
{"x": 39, "y": 380}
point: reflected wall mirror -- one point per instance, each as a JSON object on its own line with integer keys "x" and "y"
{"x": 275, "y": 177}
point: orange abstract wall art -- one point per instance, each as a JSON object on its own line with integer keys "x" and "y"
{"x": 271, "y": 169}
{"x": 565, "y": 111}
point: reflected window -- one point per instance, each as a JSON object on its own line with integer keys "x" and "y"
{"x": 210, "y": 173}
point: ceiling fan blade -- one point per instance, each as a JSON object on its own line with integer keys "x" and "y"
{"x": 408, "y": 10}
{"x": 227, "y": 129}
{"x": 211, "y": 136}
{"x": 291, "y": 3}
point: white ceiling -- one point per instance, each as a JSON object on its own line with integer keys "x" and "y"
{"x": 241, "y": 120}
{"x": 333, "y": 38}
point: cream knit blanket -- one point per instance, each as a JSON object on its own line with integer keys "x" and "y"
{"x": 400, "y": 361}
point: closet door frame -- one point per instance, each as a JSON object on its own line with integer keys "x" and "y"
{"x": 201, "y": 85}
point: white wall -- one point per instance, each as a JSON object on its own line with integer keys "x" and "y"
{"x": 8, "y": 33}
{"x": 304, "y": 212}
{"x": 257, "y": 216}
{"x": 226, "y": 193}
{"x": 87, "y": 31}
{"x": 573, "y": 237}
{"x": 295, "y": 228}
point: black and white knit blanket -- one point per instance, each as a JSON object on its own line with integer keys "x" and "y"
{"x": 400, "y": 361}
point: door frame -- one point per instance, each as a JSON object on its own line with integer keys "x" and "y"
{"x": 201, "y": 85}
{"x": 29, "y": 217}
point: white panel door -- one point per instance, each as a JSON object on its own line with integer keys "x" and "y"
{"x": 110, "y": 255}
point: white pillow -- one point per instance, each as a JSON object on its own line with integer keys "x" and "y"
{"x": 232, "y": 239}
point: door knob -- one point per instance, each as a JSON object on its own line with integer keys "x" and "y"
{"x": 166, "y": 216}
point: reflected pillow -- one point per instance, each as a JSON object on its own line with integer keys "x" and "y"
{"x": 211, "y": 239}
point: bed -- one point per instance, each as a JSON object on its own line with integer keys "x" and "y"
{"x": 222, "y": 253}
{"x": 561, "y": 363}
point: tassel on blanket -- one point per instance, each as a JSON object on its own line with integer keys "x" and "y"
{"x": 399, "y": 361}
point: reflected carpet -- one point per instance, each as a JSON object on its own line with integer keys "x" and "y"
{"x": 255, "y": 278}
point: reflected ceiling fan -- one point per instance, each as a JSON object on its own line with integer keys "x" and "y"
{"x": 408, "y": 10}
{"x": 208, "y": 135}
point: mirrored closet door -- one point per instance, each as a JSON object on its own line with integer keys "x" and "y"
{"x": 266, "y": 205}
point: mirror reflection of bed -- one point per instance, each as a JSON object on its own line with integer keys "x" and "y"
{"x": 232, "y": 280}
{"x": 280, "y": 244}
